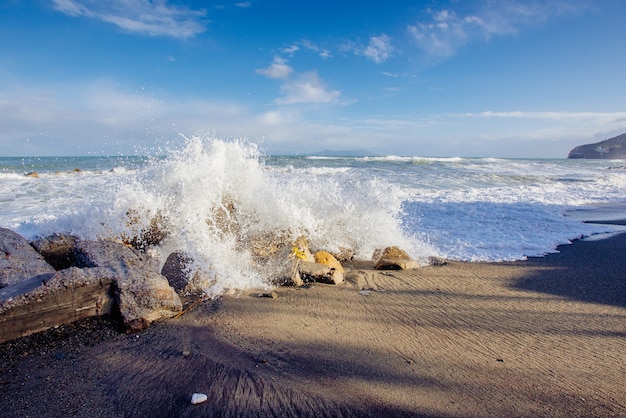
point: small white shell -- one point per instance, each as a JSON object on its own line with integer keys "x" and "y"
{"x": 197, "y": 398}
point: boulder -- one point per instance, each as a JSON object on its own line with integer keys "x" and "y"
{"x": 176, "y": 270}
{"x": 142, "y": 294}
{"x": 317, "y": 272}
{"x": 324, "y": 257}
{"x": 284, "y": 263}
{"x": 18, "y": 260}
{"x": 394, "y": 258}
{"x": 327, "y": 259}
{"x": 57, "y": 250}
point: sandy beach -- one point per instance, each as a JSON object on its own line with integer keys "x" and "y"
{"x": 544, "y": 337}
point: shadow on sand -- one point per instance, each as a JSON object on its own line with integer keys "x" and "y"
{"x": 589, "y": 271}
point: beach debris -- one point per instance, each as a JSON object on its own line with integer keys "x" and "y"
{"x": 198, "y": 398}
{"x": 365, "y": 292}
{"x": 190, "y": 307}
{"x": 394, "y": 258}
{"x": 54, "y": 299}
{"x": 18, "y": 259}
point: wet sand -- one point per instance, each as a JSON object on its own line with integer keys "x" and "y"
{"x": 544, "y": 337}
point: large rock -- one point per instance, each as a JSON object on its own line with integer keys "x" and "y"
{"x": 143, "y": 295}
{"x": 610, "y": 149}
{"x": 176, "y": 270}
{"x": 327, "y": 259}
{"x": 57, "y": 250}
{"x": 395, "y": 258}
{"x": 18, "y": 260}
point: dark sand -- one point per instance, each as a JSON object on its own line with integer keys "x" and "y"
{"x": 539, "y": 338}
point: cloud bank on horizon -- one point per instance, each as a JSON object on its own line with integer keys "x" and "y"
{"x": 443, "y": 78}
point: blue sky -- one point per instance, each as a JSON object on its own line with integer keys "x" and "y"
{"x": 430, "y": 78}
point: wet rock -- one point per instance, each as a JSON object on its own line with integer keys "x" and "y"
{"x": 285, "y": 263}
{"x": 324, "y": 257}
{"x": 301, "y": 249}
{"x": 437, "y": 261}
{"x": 142, "y": 294}
{"x": 57, "y": 250}
{"x": 321, "y": 273}
{"x": 394, "y": 258}
{"x": 176, "y": 270}
{"x": 158, "y": 228}
{"x": 18, "y": 260}
{"x": 344, "y": 255}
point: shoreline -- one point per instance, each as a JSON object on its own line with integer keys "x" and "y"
{"x": 544, "y": 337}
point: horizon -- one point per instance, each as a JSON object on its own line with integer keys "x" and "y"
{"x": 473, "y": 79}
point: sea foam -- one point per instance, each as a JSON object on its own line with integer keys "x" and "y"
{"x": 194, "y": 188}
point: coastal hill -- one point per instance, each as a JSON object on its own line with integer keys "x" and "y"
{"x": 610, "y": 149}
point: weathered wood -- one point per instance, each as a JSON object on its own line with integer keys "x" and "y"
{"x": 56, "y": 308}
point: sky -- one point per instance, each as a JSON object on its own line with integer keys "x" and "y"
{"x": 480, "y": 78}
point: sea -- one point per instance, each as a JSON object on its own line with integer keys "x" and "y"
{"x": 470, "y": 209}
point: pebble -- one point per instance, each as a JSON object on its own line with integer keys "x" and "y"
{"x": 197, "y": 398}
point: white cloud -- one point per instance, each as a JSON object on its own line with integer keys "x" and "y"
{"x": 600, "y": 117}
{"x": 379, "y": 49}
{"x": 152, "y": 18}
{"x": 290, "y": 49}
{"x": 307, "y": 45}
{"x": 278, "y": 69}
{"x": 446, "y": 32}
{"x": 100, "y": 117}
{"x": 277, "y": 118}
{"x": 307, "y": 88}
{"x": 244, "y": 4}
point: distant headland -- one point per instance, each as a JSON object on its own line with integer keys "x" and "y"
{"x": 609, "y": 149}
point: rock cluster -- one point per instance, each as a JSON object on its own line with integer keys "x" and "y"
{"x": 104, "y": 277}
{"x": 59, "y": 279}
